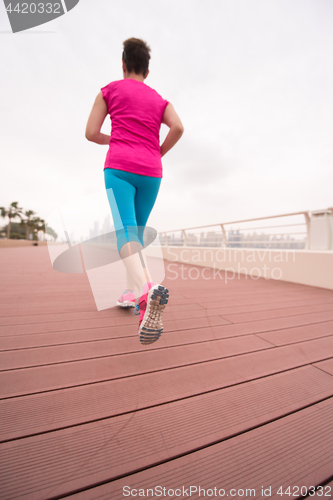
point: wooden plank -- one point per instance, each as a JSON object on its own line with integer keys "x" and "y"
{"x": 298, "y": 333}
{"x": 56, "y": 326}
{"x": 127, "y": 319}
{"x": 263, "y": 457}
{"x": 101, "y": 405}
{"x": 104, "y": 450}
{"x": 23, "y": 358}
{"x": 249, "y": 306}
{"x": 278, "y": 313}
{"x": 123, "y": 337}
{"x": 290, "y": 390}
{"x": 326, "y": 366}
{"x": 156, "y": 365}
{"x": 174, "y": 311}
{"x": 181, "y": 355}
{"x": 84, "y": 458}
{"x": 179, "y": 310}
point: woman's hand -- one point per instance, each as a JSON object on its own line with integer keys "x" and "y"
{"x": 95, "y": 121}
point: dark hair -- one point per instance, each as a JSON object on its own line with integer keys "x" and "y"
{"x": 136, "y": 55}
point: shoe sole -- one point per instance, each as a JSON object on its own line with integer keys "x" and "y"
{"x": 126, "y": 304}
{"x": 151, "y": 327}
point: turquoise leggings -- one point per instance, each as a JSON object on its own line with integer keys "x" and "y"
{"x": 131, "y": 198}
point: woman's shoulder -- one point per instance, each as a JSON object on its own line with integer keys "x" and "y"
{"x": 116, "y": 85}
{"x": 130, "y": 81}
{"x": 133, "y": 87}
{"x": 112, "y": 84}
{"x": 154, "y": 93}
{"x": 108, "y": 90}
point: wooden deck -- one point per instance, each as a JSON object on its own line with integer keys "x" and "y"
{"x": 237, "y": 393}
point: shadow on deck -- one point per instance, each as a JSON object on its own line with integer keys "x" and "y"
{"x": 236, "y": 395}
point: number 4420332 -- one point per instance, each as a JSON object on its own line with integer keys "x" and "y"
{"x": 296, "y": 491}
{"x": 32, "y": 8}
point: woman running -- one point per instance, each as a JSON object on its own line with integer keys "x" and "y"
{"x": 133, "y": 171}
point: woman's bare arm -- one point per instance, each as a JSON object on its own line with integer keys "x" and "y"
{"x": 172, "y": 120}
{"x": 95, "y": 121}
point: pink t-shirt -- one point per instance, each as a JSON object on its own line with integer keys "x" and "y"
{"x": 136, "y": 113}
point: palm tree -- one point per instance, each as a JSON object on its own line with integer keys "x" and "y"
{"x": 35, "y": 224}
{"x": 51, "y": 232}
{"x": 42, "y": 227}
{"x": 27, "y": 222}
{"x": 12, "y": 212}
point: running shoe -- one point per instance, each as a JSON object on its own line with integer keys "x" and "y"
{"x": 127, "y": 299}
{"x": 151, "y": 305}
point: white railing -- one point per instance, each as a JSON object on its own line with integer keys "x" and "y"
{"x": 302, "y": 230}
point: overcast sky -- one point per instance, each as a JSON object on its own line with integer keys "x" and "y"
{"x": 251, "y": 80}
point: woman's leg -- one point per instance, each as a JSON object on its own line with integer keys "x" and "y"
{"x": 121, "y": 195}
{"x": 146, "y": 192}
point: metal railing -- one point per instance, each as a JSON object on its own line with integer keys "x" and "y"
{"x": 271, "y": 236}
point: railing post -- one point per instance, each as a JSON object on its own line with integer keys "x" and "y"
{"x": 224, "y": 236}
{"x": 185, "y": 238}
{"x": 166, "y": 239}
{"x": 308, "y": 222}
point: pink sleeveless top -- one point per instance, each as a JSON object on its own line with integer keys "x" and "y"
{"x": 136, "y": 113}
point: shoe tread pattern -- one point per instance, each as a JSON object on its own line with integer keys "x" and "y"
{"x": 153, "y": 327}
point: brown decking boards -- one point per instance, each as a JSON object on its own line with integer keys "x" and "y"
{"x": 237, "y": 393}
{"x": 294, "y": 452}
